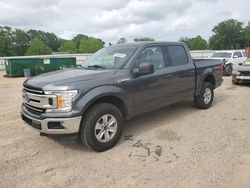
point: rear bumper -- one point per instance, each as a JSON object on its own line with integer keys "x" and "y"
{"x": 53, "y": 125}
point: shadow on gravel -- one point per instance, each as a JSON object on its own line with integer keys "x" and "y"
{"x": 158, "y": 118}
{"x": 69, "y": 141}
{"x": 143, "y": 123}
{"x": 244, "y": 83}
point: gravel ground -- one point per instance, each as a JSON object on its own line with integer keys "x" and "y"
{"x": 178, "y": 146}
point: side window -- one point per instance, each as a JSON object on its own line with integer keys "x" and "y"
{"x": 177, "y": 55}
{"x": 152, "y": 55}
{"x": 238, "y": 54}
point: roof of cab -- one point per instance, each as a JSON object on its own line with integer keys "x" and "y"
{"x": 140, "y": 44}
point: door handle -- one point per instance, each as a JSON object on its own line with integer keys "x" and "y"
{"x": 167, "y": 76}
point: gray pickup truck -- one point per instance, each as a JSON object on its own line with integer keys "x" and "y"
{"x": 117, "y": 83}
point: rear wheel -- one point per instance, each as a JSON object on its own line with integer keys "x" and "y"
{"x": 205, "y": 99}
{"x": 101, "y": 127}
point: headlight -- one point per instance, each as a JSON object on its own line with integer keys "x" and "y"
{"x": 64, "y": 100}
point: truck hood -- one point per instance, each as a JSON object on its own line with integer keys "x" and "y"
{"x": 65, "y": 77}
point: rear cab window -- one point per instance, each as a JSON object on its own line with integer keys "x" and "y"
{"x": 177, "y": 55}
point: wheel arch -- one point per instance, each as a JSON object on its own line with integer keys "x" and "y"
{"x": 210, "y": 78}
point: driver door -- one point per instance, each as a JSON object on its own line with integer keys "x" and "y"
{"x": 151, "y": 91}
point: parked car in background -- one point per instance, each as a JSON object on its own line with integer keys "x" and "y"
{"x": 242, "y": 72}
{"x": 231, "y": 59}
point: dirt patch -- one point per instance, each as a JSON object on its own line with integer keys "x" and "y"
{"x": 167, "y": 134}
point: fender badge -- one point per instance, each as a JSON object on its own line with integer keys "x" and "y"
{"x": 123, "y": 80}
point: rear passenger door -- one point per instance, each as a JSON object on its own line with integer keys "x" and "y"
{"x": 182, "y": 72}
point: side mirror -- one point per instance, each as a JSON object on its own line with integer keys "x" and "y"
{"x": 144, "y": 68}
{"x": 240, "y": 64}
{"x": 235, "y": 56}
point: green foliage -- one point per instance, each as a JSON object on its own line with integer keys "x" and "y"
{"x": 186, "y": 40}
{"x": 50, "y": 39}
{"x": 90, "y": 45}
{"x": 38, "y": 47}
{"x": 122, "y": 40}
{"x": 196, "y": 43}
{"x": 246, "y": 36}
{"x": 21, "y": 42}
{"x": 68, "y": 46}
{"x": 5, "y": 41}
{"x": 77, "y": 39}
{"x": 227, "y": 35}
{"x": 143, "y": 39}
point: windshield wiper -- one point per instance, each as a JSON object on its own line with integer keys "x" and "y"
{"x": 96, "y": 66}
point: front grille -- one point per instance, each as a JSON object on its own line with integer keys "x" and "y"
{"x": 36, "y": 101}
{"x": 245, "y": 73}
{"x": 34, "y": 110}
{"x": 32, "y": 90}
{"x": 34, "y": 124}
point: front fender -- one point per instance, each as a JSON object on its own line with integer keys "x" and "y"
{"x": 88, "y": 98}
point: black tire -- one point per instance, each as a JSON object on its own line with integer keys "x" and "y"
{"x": 199, "y": 100}
{"x": 87, "y": 128}
{"x": 228, "y": 70}
{"x": 235, "y": 81}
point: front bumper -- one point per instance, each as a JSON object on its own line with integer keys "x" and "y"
{"x": 53, "y": 125}
{"x": 243, "y": 77}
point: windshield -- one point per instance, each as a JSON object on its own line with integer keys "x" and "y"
{"x": 222, "y": 54}
{"x": 112, "y": 57}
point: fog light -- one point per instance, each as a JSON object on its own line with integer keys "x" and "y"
{"x": 55, "y": 125}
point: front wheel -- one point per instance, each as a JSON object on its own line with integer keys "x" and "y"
{"x": 101, "y": 127}
{"x": 228, "y": 70}
{"x": 205, "y": 99}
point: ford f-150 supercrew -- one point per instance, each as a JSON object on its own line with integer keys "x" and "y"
{"x": 115, "y": 84}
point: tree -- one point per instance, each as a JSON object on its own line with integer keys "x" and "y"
{"x": 122, "y": 41}
{"x": 68, "y": 46}
{"x": 90, "y": 45}
{"x": 50, "y": 39}
{"x": 143, "y": 39}
{"x": 186, "y": 40}
{"x": 38, "y": 47}
{"x": 196, "y": 43}
{"x": 21, "y": 42}
{"x": 246, "y": 36}
{"x": 227, "y": 35}
{"x": 77, "y": 39}
{"x": 6, "y": 44}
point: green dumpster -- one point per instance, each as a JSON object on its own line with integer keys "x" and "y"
{"x": 15, "y": 66}
{"x": 54, "y": 64}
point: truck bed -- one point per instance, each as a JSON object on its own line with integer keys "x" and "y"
{"x": 208, "y": 65}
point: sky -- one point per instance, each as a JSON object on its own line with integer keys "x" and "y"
{"x": 163, "y": 20}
